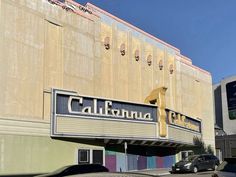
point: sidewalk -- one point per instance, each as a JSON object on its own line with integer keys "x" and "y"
{"x": 155, "y": 172}
{"x": 136, "y": 173}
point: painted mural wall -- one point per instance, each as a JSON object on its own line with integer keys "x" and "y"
{"x": 115, "y": 161}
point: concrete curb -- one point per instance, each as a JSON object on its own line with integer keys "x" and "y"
{"x": 163, "y": 174}
{"x": 157, "y": 171}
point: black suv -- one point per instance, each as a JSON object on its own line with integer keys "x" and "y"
{"x": 195, "y": 163}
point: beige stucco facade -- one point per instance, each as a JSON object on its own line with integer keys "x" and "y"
{"x": 43, "y": 46}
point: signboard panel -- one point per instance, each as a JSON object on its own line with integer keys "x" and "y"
{"x": 104, "y": 108}
{"x": 75, "y": 115}
{"x": 180, "y": 120}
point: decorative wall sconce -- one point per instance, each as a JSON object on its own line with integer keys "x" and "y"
{"x": 136, "y": 55}
{"x": 171, "y": 69}
{"x": 107, "y": 43}
{"x": 161, "y": 65}
{"x": 149, "y": 60}
{"x": 122, "y": 49}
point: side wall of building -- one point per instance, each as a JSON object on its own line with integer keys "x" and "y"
{"x": 218, "y": 105}
{"x": 42, "y": 47}
{"x": 22, "y": 154}
{"x": 228, "y": 98}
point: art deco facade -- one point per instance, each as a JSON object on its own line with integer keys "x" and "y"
{"x": 79, "y": 85}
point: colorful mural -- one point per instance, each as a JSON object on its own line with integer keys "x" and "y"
{"x": 115, "y": 161}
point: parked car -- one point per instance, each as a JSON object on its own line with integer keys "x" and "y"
{"x": 226, "y": 169}
{"x": 76, "y": 169}
{"x": 196, "y": 163}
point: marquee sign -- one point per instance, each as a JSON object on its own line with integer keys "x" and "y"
{"x": 180, "y": 120}
{"x": 69, "y": 104}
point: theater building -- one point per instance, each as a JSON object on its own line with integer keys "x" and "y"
{"x": 79, "y": 85}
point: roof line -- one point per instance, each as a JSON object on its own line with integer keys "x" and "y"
{"x": 78, "y": 5}
{"x": 196, "y": 67}
{"x": 63, "y": 6}
{"x": 131, "y": 26}
{"x": 185, "y": 59}
{"x": 182, "y": 60}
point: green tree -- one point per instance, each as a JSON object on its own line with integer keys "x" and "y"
{"x": 209, "y": 150}
{"x": 200, "y": 147}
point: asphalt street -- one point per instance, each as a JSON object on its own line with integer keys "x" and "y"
{"x": 147, "y": 174}
{"x": 199, "y": 174}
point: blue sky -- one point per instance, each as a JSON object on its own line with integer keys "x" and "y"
{"x": 203, "y": 30}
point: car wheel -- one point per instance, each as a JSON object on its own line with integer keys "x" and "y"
{"x": 195, "y": 169}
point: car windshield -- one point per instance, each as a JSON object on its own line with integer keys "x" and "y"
{"x": 227, "y": 167}
{"x": 191, "y": 158}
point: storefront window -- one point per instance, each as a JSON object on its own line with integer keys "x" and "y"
{"x": 86, "y": 156}
{"x": 98, "y": 157}
{"x": 231, "y": 99}
{"x": 185, "y": 154}
{"x": 233, "y": 152}
{"x": 83, "y": 156}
